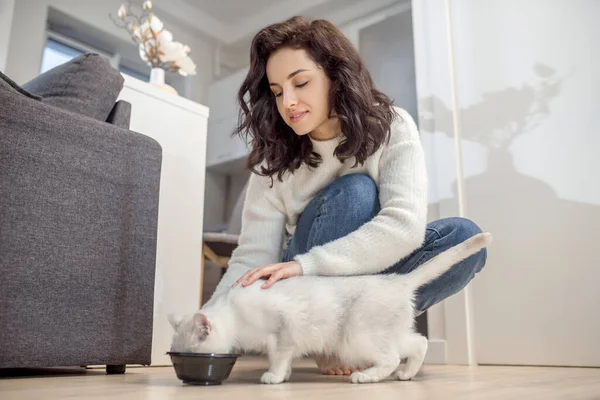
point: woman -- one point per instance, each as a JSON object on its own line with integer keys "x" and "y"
{"x": 339, "y": 185}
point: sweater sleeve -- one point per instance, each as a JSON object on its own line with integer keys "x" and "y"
{"x": 399, "y": 228}
{"x": 261, "y": 236}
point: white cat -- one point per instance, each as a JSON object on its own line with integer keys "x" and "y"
{"x": 360, "y": 320}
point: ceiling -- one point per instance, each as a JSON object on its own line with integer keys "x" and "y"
{"x": 230, "y": 12}
{"x": 230, "y": 22}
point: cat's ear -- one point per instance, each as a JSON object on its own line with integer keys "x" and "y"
{"x": 175, "y": 320}
{"x": 201, "y": 322}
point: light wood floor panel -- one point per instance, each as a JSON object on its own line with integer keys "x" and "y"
{"x": 433, "y": 382}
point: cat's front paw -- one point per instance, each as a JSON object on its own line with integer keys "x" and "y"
{"x": 361, "y": 377}
{"x": 288, "y": 374}
{"x": 271, "y": 379}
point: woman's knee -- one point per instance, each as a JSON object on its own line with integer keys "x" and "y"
{"x": 456, "y": 230}
{"x": 449, "y": 233}
{"x": 465, "y": 229}
{"x": 355, "y": 194}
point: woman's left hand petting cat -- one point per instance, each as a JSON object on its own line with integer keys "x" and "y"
{"x": 274, "y": 272}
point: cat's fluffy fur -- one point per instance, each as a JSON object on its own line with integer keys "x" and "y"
{"x": 360, "y": 320}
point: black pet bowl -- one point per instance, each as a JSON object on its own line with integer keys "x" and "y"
{"x": 202, "y": 368}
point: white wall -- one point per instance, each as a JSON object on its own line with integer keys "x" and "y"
{"x": 387, "y": 50}
{"x": 27, "y": 39}
{"x": 529, "y": 98}
{"x": 522, "y": 165}
{"x": 6, "y": 16}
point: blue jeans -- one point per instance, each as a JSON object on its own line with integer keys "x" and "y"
{"x": 351, "y": 201}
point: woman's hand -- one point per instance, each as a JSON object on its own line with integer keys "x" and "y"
{"x": 275, "y": 272}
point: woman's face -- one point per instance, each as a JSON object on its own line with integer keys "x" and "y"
{"x": 301, "y": 90}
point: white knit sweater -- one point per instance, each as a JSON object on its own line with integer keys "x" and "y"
{"x": 399, "y": 170}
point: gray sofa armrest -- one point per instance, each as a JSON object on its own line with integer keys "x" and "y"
{"x": 78, "y": 231}
{"x": 120, "y": 115}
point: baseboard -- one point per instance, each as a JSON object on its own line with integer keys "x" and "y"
{"x": 436, "y": 352}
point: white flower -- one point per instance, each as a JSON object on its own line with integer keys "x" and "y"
{"x": 186, "y": 66}
{"x": 155, "y": 24}
{"x": 149, "y": 28}
{"x": 156, "y": 45}
{"x": 143, "y": 31}
{"x": 122, "y": 13}
{"x": 171, "y": 51}
{"x": 165, "y": 37}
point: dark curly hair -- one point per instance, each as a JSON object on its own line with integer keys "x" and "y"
{"x": 365, "y": 114}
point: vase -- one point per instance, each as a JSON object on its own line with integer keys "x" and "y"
{"x": 157, "y": 78}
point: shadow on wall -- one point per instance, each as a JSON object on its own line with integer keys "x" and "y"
{"x": 549, "y": 239}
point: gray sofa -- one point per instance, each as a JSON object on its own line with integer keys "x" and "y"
{"x": 78, "y": 222}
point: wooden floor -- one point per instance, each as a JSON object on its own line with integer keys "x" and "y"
{"x": 433, "y": 382}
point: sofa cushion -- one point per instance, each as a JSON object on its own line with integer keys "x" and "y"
{"x": 86, "y": 85}
{"x": 9, "y": 85}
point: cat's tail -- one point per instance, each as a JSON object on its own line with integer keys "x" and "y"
{"x": 447, "y": 259}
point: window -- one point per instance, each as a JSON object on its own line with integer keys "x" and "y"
{"x": 60, "y": 49}
{"x": 134, "y": 73}
{"x": 56, "y": 53}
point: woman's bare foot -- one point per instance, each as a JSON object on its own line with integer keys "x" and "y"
{"x": 332, "y": 366}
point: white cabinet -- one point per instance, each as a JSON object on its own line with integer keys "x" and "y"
{"x": 180, "y": 126}
{"x": 224, "y": 152}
